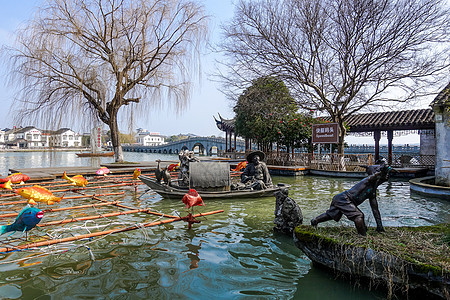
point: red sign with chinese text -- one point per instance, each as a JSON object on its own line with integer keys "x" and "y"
{"x": 327, "y": 133}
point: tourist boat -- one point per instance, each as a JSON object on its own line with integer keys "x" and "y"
{"x": 91, "y": 154}
{"x": 175, "y": 192}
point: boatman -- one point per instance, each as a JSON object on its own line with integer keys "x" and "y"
{"x": 346, "y": 203}
{"x": 256, "y": 174}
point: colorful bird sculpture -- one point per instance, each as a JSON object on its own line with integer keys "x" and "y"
{"x": 6, "y": 185}
{"x": 103, "y": 171}
{"x": 240, "y": 166}
{"x": 27, "y": 219}
{"x": 136, "y": 173}
{"x": 192, "y": 199}
{"x": 77, "y": 180}
{"x": 38, "y": 194}
{"x": 16, "y": 178}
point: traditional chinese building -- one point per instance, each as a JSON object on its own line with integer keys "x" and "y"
{"x": 441, "y": 108}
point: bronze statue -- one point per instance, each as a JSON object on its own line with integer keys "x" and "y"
{"x": 288, "y": 214}
{"x": 256, "y": 174}
{"x": 347, "y": 202}
{"x": 185, "y": 157}
{"x": 158, "y": 171}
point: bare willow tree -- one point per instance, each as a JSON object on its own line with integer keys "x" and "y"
{"x": 340, "y": 56}
{"x": 91, "y": 57}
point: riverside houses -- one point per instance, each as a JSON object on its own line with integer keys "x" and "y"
{"x": 32, "y": 138}
{"x": 146, "y": 138}
{"x": 64, "y": 137}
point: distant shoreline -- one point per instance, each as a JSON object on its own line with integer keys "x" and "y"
{"x": 48, "y": 150}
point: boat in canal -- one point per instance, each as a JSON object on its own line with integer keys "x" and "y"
{"x": 211, "y": 180}
{"x": 175, "y": 192}
{"x": 92, "y": 154}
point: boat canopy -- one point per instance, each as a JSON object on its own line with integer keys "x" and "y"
{"x": 209, "y": 174}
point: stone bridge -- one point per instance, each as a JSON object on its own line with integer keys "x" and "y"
{"x": 200, "y": 145}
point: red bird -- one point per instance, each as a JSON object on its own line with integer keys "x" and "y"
{"x": 193, "y": 199}
{"x": 16, "y": 178}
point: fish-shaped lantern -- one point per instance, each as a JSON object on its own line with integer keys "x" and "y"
{"x": 136, "y": 173}
{"x": 103, "y": 171}
{"x": 192, "y": 199}
{"x": 6, "y": 185}
{"x": 241, "y": 166}
{"x": 77, "y": 180}
{"x": 27, "y": 219}
{"x": 16, "y": 178}
{"x": 173, "y": 167}
{"x": 38, "y": 194}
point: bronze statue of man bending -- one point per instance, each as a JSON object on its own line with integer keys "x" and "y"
{"x": 346, "y": 203}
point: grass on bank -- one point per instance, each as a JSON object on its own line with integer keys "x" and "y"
{"x": 425, "y": 246}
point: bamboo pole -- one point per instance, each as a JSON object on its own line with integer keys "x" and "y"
{"x": 148, "y": 211}
{"x": 65, "y": 208}
{"x": 83, "y": 188}
{"x": 66, "y": 198}
{"x": 101, "y": 233}
{"x": 91, "y": 217}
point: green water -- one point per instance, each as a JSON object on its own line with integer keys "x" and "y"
{"x": 231, "y": 255}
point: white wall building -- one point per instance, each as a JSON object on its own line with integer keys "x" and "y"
{"x": 64, "y": 137}
{"x": 146, "y": 138}
{"x": 26, "y": 137}
{"x": 30, "y": 137}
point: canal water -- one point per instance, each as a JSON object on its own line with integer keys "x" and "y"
{"x": 231, "y": 255}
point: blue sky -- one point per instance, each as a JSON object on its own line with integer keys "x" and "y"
{"x": 206, "y": 101}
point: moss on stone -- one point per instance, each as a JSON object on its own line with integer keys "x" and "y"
{"x": 426, "y": 247}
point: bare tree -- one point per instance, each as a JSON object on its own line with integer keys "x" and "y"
{"x": 91, "y": 57}
{"x": 340, "y": 56}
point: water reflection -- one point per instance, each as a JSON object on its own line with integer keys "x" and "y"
{"x": 45, "y": 159}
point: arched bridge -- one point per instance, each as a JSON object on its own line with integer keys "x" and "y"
{"x": 201, "y": 145}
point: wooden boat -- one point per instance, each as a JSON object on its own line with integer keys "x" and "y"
{"x": 174, "y": 192}
{"x": 91, "y": 154}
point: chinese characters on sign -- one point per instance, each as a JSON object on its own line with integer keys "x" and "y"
{"x": 327, "y": 133}
{"x": 99, "y": 137}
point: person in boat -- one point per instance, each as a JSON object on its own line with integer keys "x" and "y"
{"x": 256, "y": 174}
{"x": 346, "y": 203}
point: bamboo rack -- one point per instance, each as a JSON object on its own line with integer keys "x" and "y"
{"x": 123, "y": 182}
{"x": 101, "y": 233}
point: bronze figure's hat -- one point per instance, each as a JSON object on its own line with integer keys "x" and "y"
{"x": 252, "y": 154}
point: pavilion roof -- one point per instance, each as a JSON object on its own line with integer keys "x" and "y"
{"x": 443, "y": 98}
{"x": 392, "y": 120}
{"x": 368, "y": 122}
